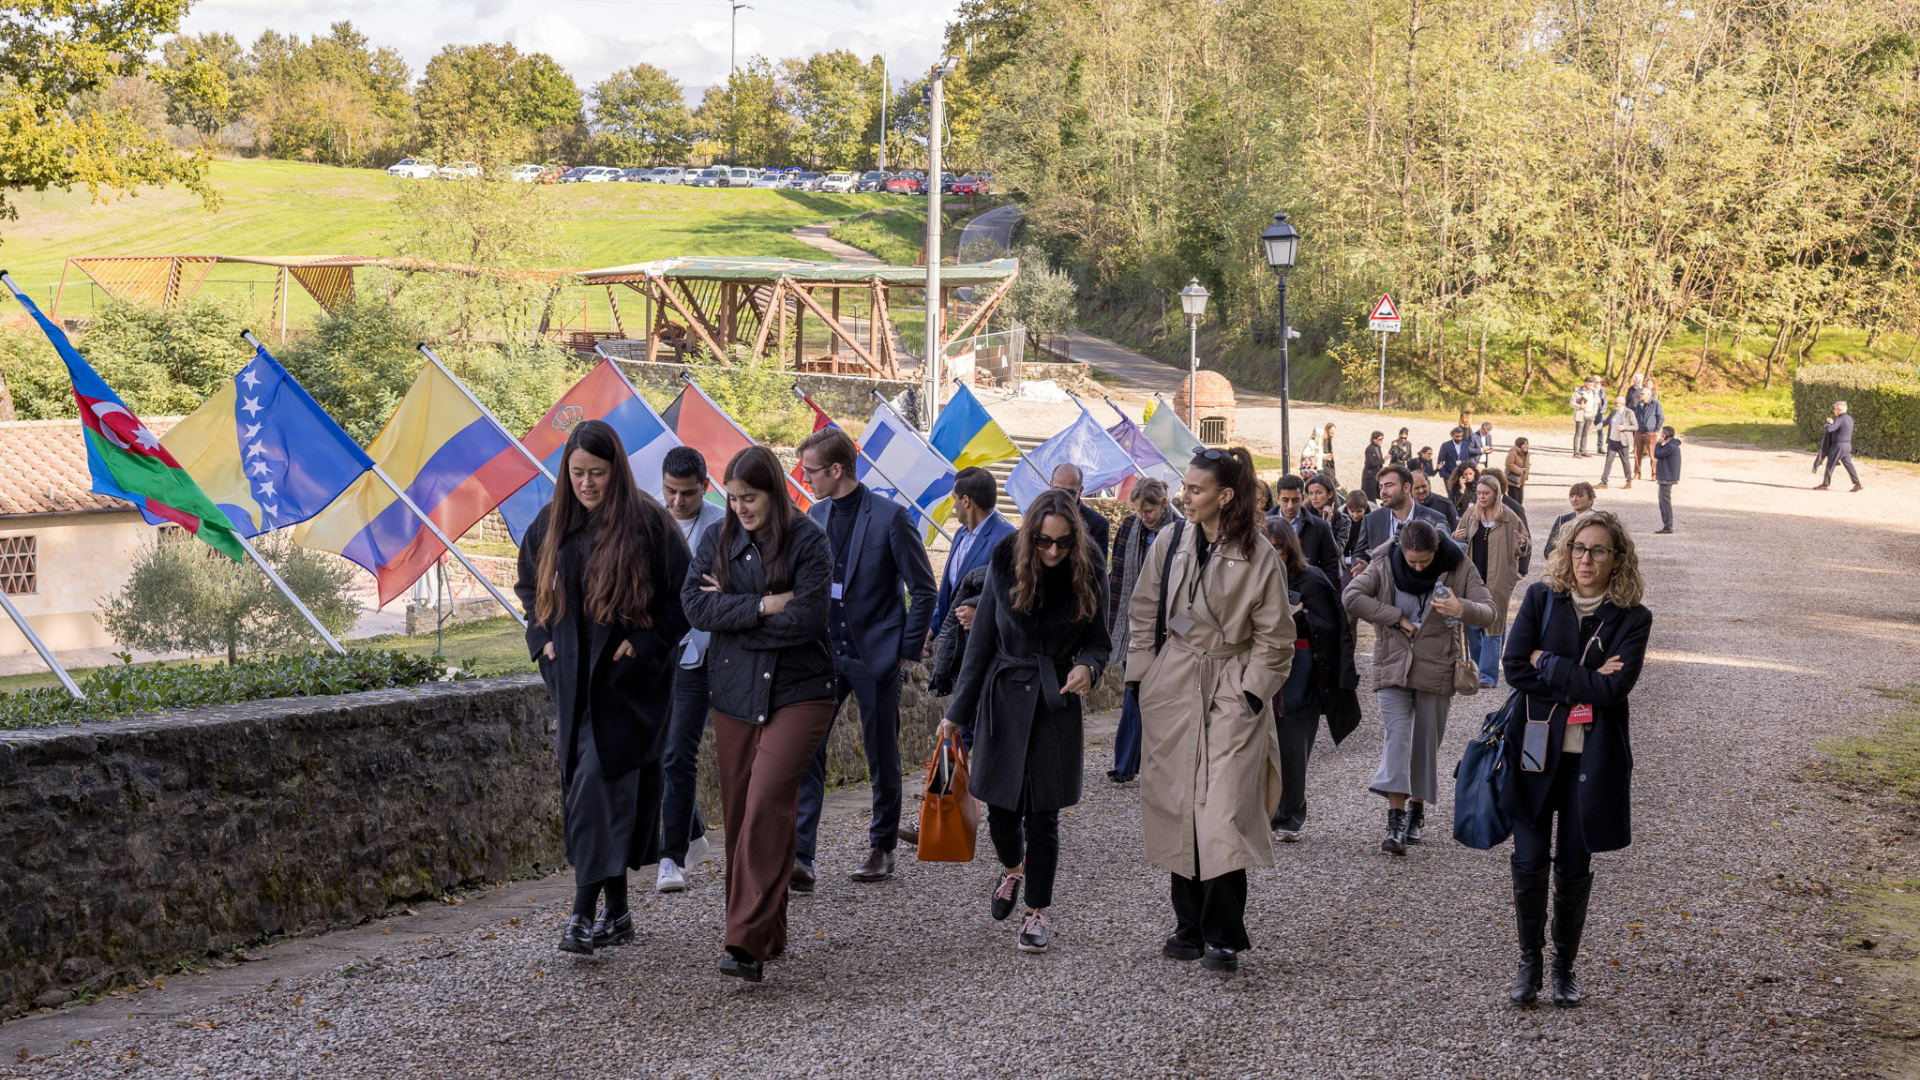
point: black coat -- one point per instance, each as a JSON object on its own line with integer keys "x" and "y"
{"x": 1370, "y": 468}
{"x": 746, "y": 648}
{"x": 628, "y": 701}
{"x": 952, "y": 647}
{"x": 1317, "y": 543}
{"x": 1027, "y": 736}
{"x": 1323, "y": 622}
{"x": 1606, "y": 764}
{"x": 1443, "y": 506}
{"x": 1099, "y": 529}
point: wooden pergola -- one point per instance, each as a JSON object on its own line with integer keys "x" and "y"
{"x": 724, "y": 303}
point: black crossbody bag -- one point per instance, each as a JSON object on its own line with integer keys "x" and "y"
{"x": 1160, "y": 607}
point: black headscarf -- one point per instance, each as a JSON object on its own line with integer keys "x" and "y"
{"x": 1446, "y": 556}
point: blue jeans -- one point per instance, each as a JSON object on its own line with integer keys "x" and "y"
{"x": 680, "y": 764}
{"x": 1485, "y": 648}
{"x": 880, "y": 730}
{"x": 1126, "y": 741}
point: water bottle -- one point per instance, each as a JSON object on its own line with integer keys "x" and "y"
{"x": 1441, "y": 592}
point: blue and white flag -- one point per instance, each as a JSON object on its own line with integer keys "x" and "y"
{"x": 1086, "y": 445}
{"x": 895, "y": 463}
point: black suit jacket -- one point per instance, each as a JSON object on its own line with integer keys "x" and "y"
{"x": 886, "y": 565}
{"x": 1099, "y": 530}
{"x": 1317, "y": 543}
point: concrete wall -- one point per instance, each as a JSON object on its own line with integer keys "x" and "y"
{"x": 82, "y": 557}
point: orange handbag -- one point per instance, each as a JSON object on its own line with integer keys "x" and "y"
{"x": 949, "y": 817}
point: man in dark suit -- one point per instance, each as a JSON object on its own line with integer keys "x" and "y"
{"x": 1455, "y": 453}
{"x": 981, "y": 527}
{"x": 1424, "y": 495}
{"x": 1836, "y": 446}
{"x": 1317, "y": 542}
{"x": 1069, "y": 478}
{"x": 1396, "y": 509}
{"x": 881, "y": 601}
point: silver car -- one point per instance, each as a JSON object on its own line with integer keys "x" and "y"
{"x": 710, "y": 177}
{"x": 666, "y": 175}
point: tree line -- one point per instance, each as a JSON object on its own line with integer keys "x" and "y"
{"x": 1546, "y": 173}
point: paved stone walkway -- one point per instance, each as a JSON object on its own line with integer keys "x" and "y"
{"x": 1715, "y": 949}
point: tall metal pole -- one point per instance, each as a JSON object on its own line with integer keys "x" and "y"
{"x": 1383, "y": 370}
{"x": 885, "y": 93}
{"x": 299, "y": 606}
{"x": 1193, "y": 364}
{"x": 936, "y": 120}
{"x": 733, "y": 95}
{"x": 1286, "y": 332}
{"x": 40, "y": 647}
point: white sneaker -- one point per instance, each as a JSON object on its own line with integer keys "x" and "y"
{"x": 671, "y": 879}
{"x": 699, "y": 851}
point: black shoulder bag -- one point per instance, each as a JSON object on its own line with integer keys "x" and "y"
{"x": 1166, "y": 567}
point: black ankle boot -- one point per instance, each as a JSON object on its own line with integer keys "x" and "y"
{"x": 578, "y": 936}
{"x": 1416, "y": 817}
{"x": 1396, "y": 841}
{"x": 608, "y": 932}
{"x": 1569, "y": 920}
{"x": 1530, "y": 913}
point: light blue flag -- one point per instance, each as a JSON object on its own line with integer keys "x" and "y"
{"x": 1085, "y": 444}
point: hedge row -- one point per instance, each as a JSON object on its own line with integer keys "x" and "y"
{"x": 1883, "y": 398}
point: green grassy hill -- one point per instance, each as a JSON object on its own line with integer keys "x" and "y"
{"x": 290, "y": 208}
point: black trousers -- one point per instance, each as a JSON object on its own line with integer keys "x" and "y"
{"x": 1212, "y": 912}
{"x": 680, "y": 764}
{"x": 1533, "y": 841}
{"x": 1030, "y": 835}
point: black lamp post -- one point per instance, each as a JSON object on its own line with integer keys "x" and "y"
{"x": 1283, "y": 244}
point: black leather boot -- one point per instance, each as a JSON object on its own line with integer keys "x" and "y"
{"x": 1416, "y": 817}
{"x": 1396, "y": 841}
{"x": 1569, "y": 920}
{"x": 577, "y": 938}
{"x": 1530, "y": 914}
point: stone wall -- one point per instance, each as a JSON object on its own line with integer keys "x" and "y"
{"x": 134, "y": 844}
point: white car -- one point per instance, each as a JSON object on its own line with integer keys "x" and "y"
{"x": 460, "y": 170}
{"x": 771, "y": 179}
{"x": 739, "y": 177}
{"x": 413, "y": 169}
{"x": 839, "y": 183}
{"x": 666, "y": 176}
{"x": 526, "y": 174}
{"x": 598, "y": 174}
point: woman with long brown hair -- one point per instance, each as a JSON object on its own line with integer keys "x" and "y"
{"x": 759, "y": 584}
{"x": 1211, "y": 643}
{"x": 1039, "y": 642}
{"x": 600, "y": 569}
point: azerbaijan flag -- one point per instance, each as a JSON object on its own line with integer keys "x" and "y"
{"x": 127, "y": 460}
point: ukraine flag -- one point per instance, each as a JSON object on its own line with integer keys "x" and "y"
{"x": 967, "y": 436}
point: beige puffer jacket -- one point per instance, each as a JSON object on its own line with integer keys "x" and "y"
{"x": 1424, "y": 662}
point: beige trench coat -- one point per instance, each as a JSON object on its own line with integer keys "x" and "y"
{"x": 1209, "y": 768}
{"x": 1505, "y": 547}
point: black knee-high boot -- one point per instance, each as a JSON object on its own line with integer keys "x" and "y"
{"x": 1569, "y": 920}
{"x": 1530, "y": 915}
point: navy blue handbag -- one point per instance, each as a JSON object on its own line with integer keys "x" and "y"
{"x": 1478, "y": 821}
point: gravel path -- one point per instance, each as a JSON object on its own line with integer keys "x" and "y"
{"x": 1714, "y": 949}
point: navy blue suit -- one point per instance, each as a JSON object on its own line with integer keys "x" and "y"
{"x": 988, "y": 534}
{"x": 1453, "y": 455}
{"x": 887, "y": 598}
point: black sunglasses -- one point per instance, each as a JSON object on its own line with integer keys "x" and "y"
{"x": 1055, "y": 543}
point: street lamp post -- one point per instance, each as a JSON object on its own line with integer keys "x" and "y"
{"x": 936, "y": 120}
{"x": 1193, "y": 301}
{"x": 1282, "y": 242}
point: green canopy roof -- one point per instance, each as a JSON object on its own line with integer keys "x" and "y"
{"x": 759, "y": 268}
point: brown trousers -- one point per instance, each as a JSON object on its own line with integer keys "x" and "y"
{"x": 760, "y": 771}
{"x": 1642, "y": 449}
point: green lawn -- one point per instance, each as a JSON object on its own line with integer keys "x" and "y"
{"x": 290, "y": 208}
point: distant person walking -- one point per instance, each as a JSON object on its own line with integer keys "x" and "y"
{"x": 1482, "y": 442}
{"x": 1454, "y": 453}
{"x": 1208, "y": 782}
{"x": 1152, "y": 512}
{"x": 1648, "y": 418}
{"x": 1371, "y": 463}
{"x": 1517, "y": 467}
{"x": 1424, "y": 495}
{"x": 1582, "y": 404}
{"x": 1575, "y": 652}
{"x": 1496, "y": 542}
{"x": 1666, "y": 471}
{"x": 1321, "y": 681}
{"x": 1460, "y": 487}
{"x": 599, "y": 576}
{"x": 1836, "y": 447}
{"x": 1415, "y": 643}
{"x": 1038, "y": 644}
{"x": 683, "y": 488}
{"x": 1620, "y": 432}
{"x": 1399, "y": 452}
{"x": 1598, "y": 392}
{"x": 1327, "y": 465}
{"x": 1310, "y": 453}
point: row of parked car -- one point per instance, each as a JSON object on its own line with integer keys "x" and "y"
{"x": 909, "y": 182}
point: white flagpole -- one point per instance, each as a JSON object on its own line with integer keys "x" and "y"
{"x": 442, "y": 537}
{"x": 488, "y": 413}
{"x": 40, "y": 647}
{"x": 875, "y": 466}
{"x": 312, "y": 620}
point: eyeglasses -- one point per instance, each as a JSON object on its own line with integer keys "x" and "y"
{"x": 1055, "y": 543}
{"x": 812, "y": 469}
{"x": 1598, "y": 553}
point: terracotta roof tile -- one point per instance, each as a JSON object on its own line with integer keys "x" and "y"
{"x": 43, "y": 467}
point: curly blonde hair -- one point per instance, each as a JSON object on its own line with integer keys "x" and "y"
{"x": 1626, "y": 587}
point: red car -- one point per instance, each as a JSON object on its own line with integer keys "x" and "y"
{"x": 906, "y": 184}
{"x": 970, "y": 185}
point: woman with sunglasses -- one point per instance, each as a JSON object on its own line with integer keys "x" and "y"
{"x": 1211, "y": 643}
{"x": 1038, "y": 644}
{"x": 1574, "y": 654}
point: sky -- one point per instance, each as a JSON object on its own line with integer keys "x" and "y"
{"x": 593, "y": 38}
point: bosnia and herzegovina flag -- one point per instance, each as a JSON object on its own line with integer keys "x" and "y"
{"x": 265, "y": 451}
{"x": 449, "y": 458}
{"x": 967, "y": 436}
{"x": 126, "y": 460}
{"x": 604, "y": 394}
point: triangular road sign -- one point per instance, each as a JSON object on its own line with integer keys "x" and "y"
{"x": 1385, "y": 309}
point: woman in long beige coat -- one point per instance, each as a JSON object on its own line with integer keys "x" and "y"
{"x": 1496, "y": 542}
{"x": 1414, "y": 649}
{"x": 1210, "y": 760}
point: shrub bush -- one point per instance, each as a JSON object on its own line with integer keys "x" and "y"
{"x": 1883, "y": 398}
{"x": 127, "y": 690}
